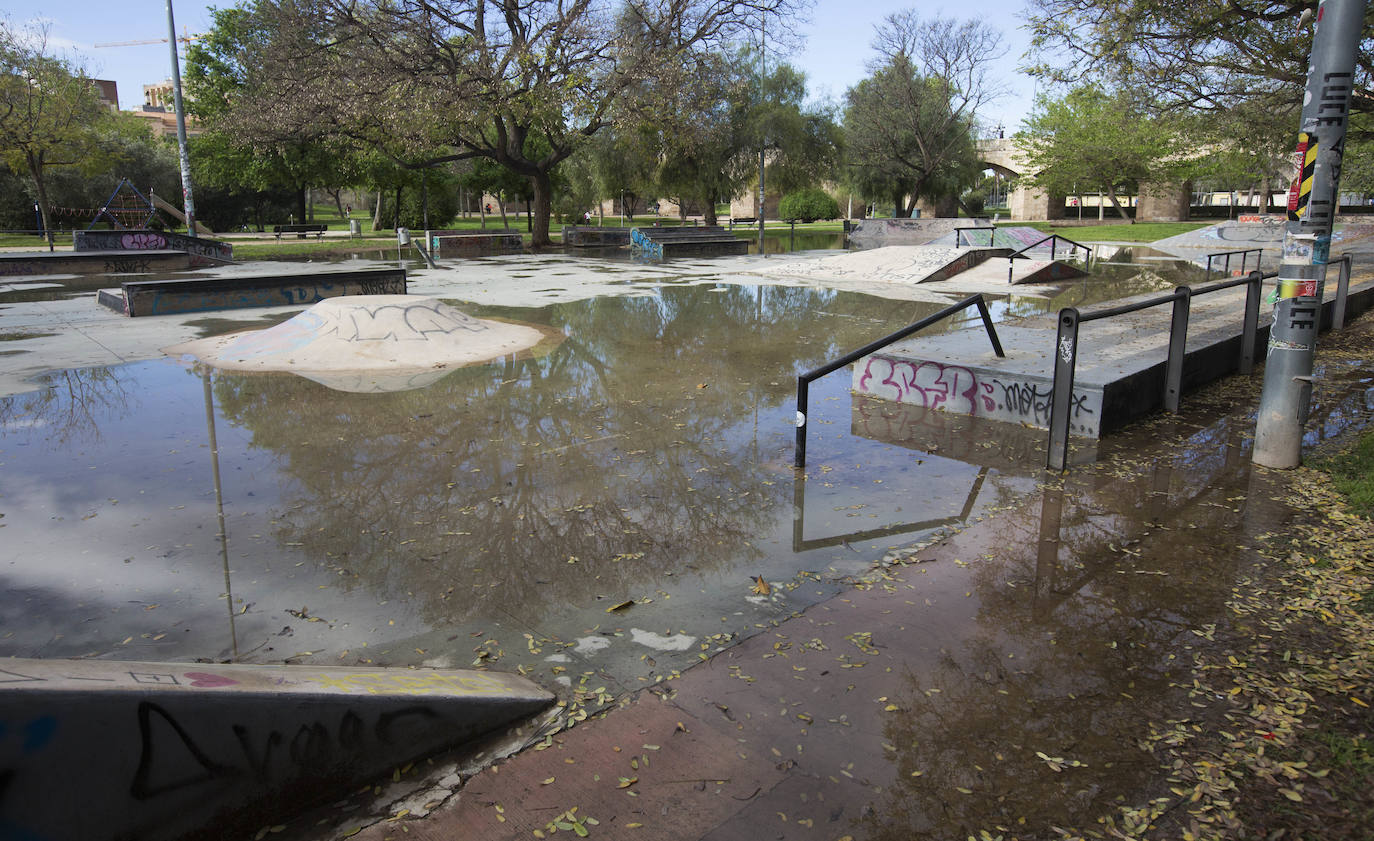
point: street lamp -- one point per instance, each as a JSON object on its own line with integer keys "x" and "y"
{"x": 622, "y": 207}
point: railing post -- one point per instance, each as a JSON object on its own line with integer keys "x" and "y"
{"x": 1342, "y": 289}
{"x": 803, "y": 388}
{"x": 1253, "y": 290}
{"x": 1061, "y": 397}
{"x": 988, "y": 326}
{"x": 1178, "y": 347}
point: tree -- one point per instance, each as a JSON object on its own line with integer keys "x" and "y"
{"x": 50, "y": 111}
{"x": 521, "y": 84}
{"x": 267, "y": 150}
{"x": 808, "y": 205}
{"x": 1094, "y": 139}
{"x": 909, "y": 125}
{"x": 1191, "y": 56}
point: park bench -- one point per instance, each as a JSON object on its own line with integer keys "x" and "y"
{"x": 300, "y": 230}
{"x": 743, "y": 221}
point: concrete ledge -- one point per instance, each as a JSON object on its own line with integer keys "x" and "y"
{"x": 468, "y": 243}
{"x": 203, "y": 251}
{"x": 96, "y": 749}
{"x": 165, "y": 297}
{"x": 1121, "y": 364}
{"x": 579, "y": 236}
{"x": 92, "y": 262}
{"x": 664, "y": 243}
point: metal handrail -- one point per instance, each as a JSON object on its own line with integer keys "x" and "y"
{"x": 804, "y": 380}
{"x": 1066, "y": 351}
{"x": 959, "y": 235}
{"x": 1244, "y": 260}
{"x": 1051, "y": 239}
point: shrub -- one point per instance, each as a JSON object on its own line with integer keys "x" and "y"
{"x": 808, "y": 205}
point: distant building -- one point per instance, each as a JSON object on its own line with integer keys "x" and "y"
{"x": 159, "y": 110}
{"x": 108, "y": 92}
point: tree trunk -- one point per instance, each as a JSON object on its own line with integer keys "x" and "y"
{"x": 1116, "y": 203}
{"x": 529, "y": 217}
{"x": 708, "y": 215}
{"x": 396, "y": 211}
{"x": 501, "y": 206}
{"x": 337, "y": 195}
{"x": 377, "y": 214}
{"x": 543, "y": 208}
{"x": 301, "y": 204}
{"x": 40, "y": 187}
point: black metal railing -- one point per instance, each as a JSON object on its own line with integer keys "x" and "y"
{"x": 804, "y": 380}
{"x": 1053, "y": 240}
{"x": 1226, "y": 263}
{"x": 1066, "y": 351}
{"x": 959, "y": 235}
{"x": 1342, "y": 290}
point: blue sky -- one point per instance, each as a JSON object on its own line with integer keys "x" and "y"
{"x": 833, "y": 53}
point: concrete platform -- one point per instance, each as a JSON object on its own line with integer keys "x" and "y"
{"x": 666, "y": 243}
{"x": 578, "y": 236}
{"x": 1121, "y": 363}
{"x": 177, "y": 750}
{"x": 470, "y": 244}
{"x": 203, "y": 251}
{"x": 24, "y": 263}
{"x": 170, "y": 296}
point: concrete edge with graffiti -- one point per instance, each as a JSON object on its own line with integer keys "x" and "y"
{"x": 191, "y": 750}
{"x": 148, "y": 240}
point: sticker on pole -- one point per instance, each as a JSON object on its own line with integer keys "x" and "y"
{"x": 1305, "y": 161}
{"x": 801, "y": 419}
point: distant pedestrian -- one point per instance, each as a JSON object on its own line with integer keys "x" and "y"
{"x": 348, "y": 211}
{"x": 489, "y": 207}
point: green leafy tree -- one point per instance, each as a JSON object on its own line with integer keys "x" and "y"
{"x": 50, "y": 112}
{"x": 1191, "y": 56}
{"x": 262, "y": 148}
{"x": 482, "y": 77}
{"x": 909, "y": 125}
{"x": 808, "y": 205}
{"x": 1095, "y": 139}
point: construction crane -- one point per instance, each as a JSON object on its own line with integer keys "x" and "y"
{"x": 185, "y": 39}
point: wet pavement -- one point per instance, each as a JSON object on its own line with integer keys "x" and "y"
{"x": 619, "y": 505}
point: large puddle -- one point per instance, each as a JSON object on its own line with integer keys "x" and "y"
{"x": 608, "y": 501}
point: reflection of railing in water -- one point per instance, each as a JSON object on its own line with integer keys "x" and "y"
{"x": 1066, "y": 351}
{"x": 800, "y": 544}
{"x": 804, "y": 380}
{"x": 1226, "y": 264}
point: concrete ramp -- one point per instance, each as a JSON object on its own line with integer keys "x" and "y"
{"x": 877, "y": 233}
{"x": 93, "y": 262}
{"x": 893, "y": 263}
{"x": 1023, "y": 271}
{"x": 98, "y": 749}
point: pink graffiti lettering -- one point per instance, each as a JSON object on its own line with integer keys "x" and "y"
{"x": 950, "y": 388}
{"x": 142, "y": 242}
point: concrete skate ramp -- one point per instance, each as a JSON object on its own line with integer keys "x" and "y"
{"x": 876, "y": 233}
{"x": 892, "y": 264}
{"x": 367, "y": 343}
{"x": 1015, "y": 237}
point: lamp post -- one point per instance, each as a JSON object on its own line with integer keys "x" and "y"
{"x": 187, "y": 202}
{"x": 622, "y": 207}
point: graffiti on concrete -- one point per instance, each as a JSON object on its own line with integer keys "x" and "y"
{"x": 403, "y": 322}
{"x": 126, "y": 265}
{"x": 951, "y": 388}
{"x": 26, "y": 267}
{"x": 171, "y": 757}
{"x": 146, "y": 240}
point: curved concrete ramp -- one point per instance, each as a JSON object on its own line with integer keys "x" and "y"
{"x": 367, "y": 343}
{"x": 99, "y": 749}
{"x": 892, "y": 263}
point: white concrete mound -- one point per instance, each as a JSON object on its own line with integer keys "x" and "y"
{"x": 366, "y": 343}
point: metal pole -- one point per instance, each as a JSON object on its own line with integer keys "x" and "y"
{"x": 1307, "y": 244}
{"x": 186, "y": 201}
{"x": 1061, "y": 398}
{"x": 763, "y": 82}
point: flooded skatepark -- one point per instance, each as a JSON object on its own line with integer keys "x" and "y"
{"x": 618, "y": 504}
{"x": 642, "y": 453}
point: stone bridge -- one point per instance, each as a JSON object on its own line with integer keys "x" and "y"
{"x": 1157, "y": 202}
